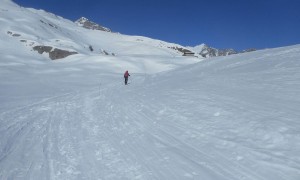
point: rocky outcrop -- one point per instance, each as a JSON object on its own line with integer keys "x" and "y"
{"x": 84, "y": 22}
{"x": 182, "y": 50}
{"x": 212, "y": 52}
{"x": 55, "y": 53}
{"x": 207, "y": 51}
{"x": 42, "y": 49}
{"x": 13, "y": 34}
{"x": 59, "y": 54}
{"x": 49, "y": 24}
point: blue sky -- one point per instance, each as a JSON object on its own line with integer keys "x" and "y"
{"x": 238, "y": 24}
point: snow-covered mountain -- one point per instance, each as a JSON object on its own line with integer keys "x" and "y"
{"x": 227, "y": 118}
{"x": 57, "y": 38}
{"x": 207, "y": 51}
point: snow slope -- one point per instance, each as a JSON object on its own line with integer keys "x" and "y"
{"x": 227, "y": 118}
{"x": 23, "y": 28}
{"x": 37, "y": 27}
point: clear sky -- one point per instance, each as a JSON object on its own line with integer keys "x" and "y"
{"x": 238, "y": 24}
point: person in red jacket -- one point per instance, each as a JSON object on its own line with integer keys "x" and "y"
{"x": 126, "y": 74}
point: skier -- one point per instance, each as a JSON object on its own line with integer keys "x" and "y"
{"x": 126, "y": 74}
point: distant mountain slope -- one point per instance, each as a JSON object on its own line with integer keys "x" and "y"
{"x": 56, "y": 37}
{"x": 207, "y": 51}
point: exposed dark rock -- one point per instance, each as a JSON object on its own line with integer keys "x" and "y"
{"x": 51, "y": 25}
{"x": 42, "y": 49}
{"x": 182, "y": 50}
{"x": 212, "y": 52}
{"x": 16, "y": 35}
{"x": 189, "y": 54}
{"x": 207, "y": 51}
{"x": 91, "y": 48}
{"x": 13, "y": 34}
{"x": 53, "y": 54}
{"x": 104, "y": 52}
{"x": 226, "y": 52}
{"x": 59, "y": 54}
{"x": 22, "y": 40}
{"x": 84, "y": 22}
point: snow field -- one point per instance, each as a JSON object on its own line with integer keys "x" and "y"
{"x": 231, "y": 118}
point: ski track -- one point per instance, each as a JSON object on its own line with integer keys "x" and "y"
{"x": 225, "y": 118}
{"x": 112, "y": 133}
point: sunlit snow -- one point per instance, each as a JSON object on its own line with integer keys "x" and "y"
{"x": 226, "y": 118}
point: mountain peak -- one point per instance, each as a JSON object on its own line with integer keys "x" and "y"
{"x": 82, "y": 19}
{"x": 207, "y": 51}
{"x": 86, "y": 23}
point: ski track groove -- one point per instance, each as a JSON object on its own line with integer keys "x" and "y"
{"x": 139, "y": 116}
{"x": 200, "y": 156}
{"x": 76, "y": 132}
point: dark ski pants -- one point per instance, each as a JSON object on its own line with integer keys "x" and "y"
{"x": 126, "y": 80}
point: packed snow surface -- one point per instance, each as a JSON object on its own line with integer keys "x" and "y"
{"x": 226, "y": 118}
